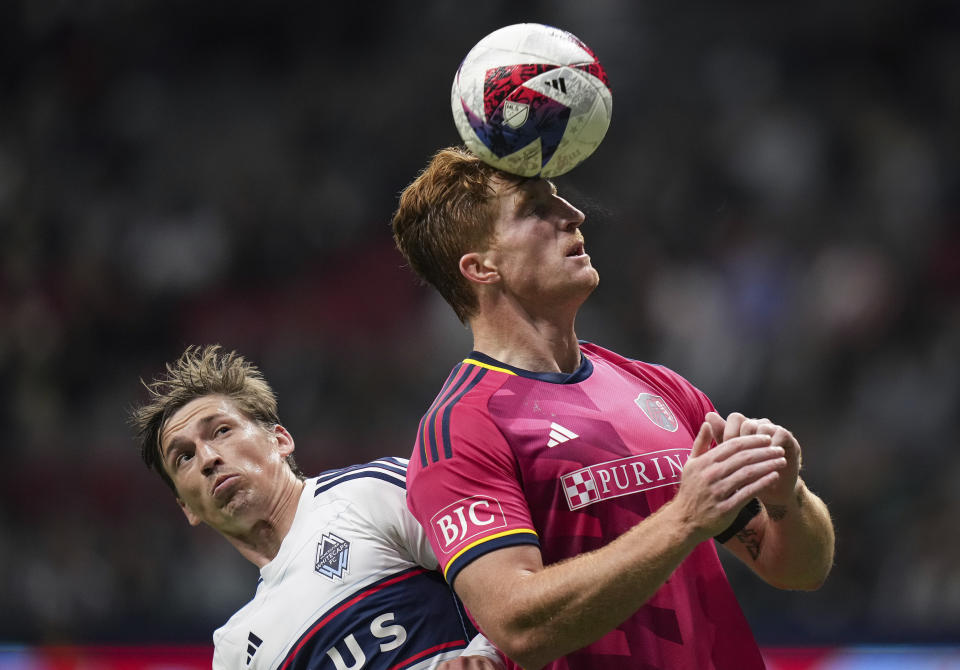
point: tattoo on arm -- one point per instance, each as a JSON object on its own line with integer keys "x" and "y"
{"x": 751, "y": 540}
{"x": 776, "y": 512}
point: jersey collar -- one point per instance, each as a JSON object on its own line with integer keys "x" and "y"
{"x": 583, "y": 371}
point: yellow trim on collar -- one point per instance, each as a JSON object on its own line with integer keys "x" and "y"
{"x": 473, "y": 361}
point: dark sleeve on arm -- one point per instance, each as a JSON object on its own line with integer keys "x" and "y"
{"x": 750, "y": 510}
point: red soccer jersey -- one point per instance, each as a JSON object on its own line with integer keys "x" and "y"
{"x": 569, "y": 463}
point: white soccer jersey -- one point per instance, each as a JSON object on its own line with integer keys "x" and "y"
{"x": 353, "y": 586}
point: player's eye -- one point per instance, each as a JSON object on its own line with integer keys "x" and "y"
{"x": 181, "y": 458}
{"x": 222, "y": 430}
{"x": 536, "y": 208}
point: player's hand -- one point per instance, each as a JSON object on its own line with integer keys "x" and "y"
{"x": 717, "y": 483}
{"x": 783, "y": 490}
{"x": 471, "y": 663}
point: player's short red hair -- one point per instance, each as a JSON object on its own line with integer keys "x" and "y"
{"x": 445, "y": 213}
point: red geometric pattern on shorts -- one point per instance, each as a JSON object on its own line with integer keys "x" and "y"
{"x": 499, "y": 82}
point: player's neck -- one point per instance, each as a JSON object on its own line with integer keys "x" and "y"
{"x": 528, "y": 343}
{"x": 261, "y": 542}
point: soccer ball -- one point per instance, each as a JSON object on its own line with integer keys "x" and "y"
{"x": 532, "y": 100}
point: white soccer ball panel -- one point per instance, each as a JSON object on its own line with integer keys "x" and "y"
{"x": 526, "y": 43}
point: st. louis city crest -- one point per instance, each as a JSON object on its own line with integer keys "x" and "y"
{"x": 657, "y": 411}
{"x": 333, "y": 553}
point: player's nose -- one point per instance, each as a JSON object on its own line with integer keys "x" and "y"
{"x": 209, "y": 458}
{"x": 572, "y": 217}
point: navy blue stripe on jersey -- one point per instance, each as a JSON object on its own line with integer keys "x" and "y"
{"x": 362, "y": 474}
{"x": 463, "y": 375}
{"x": 483, "y": 547}
{"x": 428, "y": 431}
{"x": 446, "y": 384}
{"x": 393, "y": 623}
{"x": 421, "y": 443}
{"x": 387, "y": 463}
{"x": 445, "y": 427}
{"x": 388, "y": 469}
{"x": 394, "y": 460}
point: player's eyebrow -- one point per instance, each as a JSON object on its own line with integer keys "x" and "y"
{"x": 172, "y": 446}
{"x": 524, "y": 196}
{"x": 531, "y": 188}
{"x": 182, "y": 441}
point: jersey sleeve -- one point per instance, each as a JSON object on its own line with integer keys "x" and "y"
{"x": 227, "y": 654}
{"x": 469, "y": 498}
{"x": 415, "y": 539}
{"x": 381, "y": 484}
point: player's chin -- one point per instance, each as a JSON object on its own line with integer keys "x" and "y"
{"x": 584, "y": 286}
{"x": 590, "y": 277}
{"x": 582, "y": 278}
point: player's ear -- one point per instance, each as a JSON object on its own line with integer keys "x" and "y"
{"x": 187, "y": 512}
{"x": 479, "y": 268}
{"x": 284, "y": 440}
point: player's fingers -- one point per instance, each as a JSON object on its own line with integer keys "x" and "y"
{"x": 781, "y": 434}
{"x": 748, "y": 475}
{"x": 746, "y": 457}
{"x": 743, "y": 495}
{"x": 783, "y": 437}
{"x": 737, "y": 444}
{"x": 732, "y": 427}
{"x": 702, "y": 441}
{"x": 766, "y": 427}
{"x": 717, "y": 424}
{"x": 753, "y": 426}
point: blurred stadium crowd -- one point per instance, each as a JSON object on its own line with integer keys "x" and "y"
{"x": 774, "y": 214}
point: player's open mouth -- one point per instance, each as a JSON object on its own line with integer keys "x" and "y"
{"x": 577, "y": 250}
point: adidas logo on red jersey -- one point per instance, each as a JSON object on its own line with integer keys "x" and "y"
{"x": 559, "y": 435}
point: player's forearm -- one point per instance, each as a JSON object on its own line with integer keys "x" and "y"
{"x": 543, "y": 615}
{"x": 792, "y": 544}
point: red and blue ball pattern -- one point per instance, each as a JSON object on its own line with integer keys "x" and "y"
{"x": 547, "y": 118}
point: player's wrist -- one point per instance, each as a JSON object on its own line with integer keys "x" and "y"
{"x": 778, "y": 506}
{"x": 688, "y": 529}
